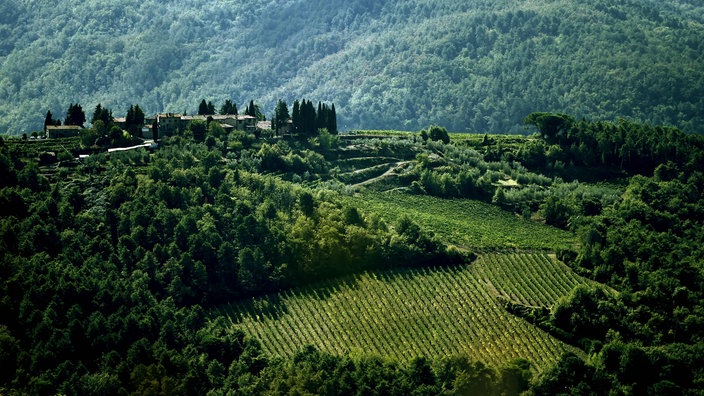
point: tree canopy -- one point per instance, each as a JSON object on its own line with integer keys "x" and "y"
{"x": 378, "y": 63}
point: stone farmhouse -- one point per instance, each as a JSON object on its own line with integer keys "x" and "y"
{"x": 62, "y": 131}
{"x": 170, "y": 123}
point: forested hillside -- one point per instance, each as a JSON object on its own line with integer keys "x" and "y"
{"x": 209, "y": 264}
{"x": 477, "y": 66}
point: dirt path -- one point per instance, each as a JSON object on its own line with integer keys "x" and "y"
{"x": 389, "y": 172}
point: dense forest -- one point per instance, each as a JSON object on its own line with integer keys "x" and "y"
{"x": 476, "y": 66}
{"x": 112, "y": 268}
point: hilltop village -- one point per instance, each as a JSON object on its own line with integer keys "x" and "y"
{"x": 135, "y": 125}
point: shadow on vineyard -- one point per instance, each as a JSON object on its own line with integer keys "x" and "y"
{"x": 432, "y": 312}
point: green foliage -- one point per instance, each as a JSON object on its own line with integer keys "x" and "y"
{"x": 110, "y": 266}
{"x": 281, "y": 116}
{"x": 552, "y": 126}
{"x": 437, "y": 133}
{"x": 160, "y": 237}
{"x": 437, "y": 312}
{"x": 499, "y": 60}
{"x": 102, "y": 114}
{"x": 228, "y": 107}
{"x": 197, "y": 129}
{"x": 134, "y": 120}
{"x": 74, "y": 115}
{"x": 467, "y": 223}
{"x": 636, "y": 148}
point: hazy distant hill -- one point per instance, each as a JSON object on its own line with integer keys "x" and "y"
{"x": 472, "y": 65}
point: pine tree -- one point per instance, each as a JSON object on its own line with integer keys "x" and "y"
{"x": 211, "y": 108}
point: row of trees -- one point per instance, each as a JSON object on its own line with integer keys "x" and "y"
{"x": 74, "y": 116}
{"x": 230, "y": 108}
{"x": 303, "y": 118}
{"x": 633, "y": 147}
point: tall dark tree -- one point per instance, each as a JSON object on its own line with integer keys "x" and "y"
{"x": 102, "y": 114}
{"x": 254, "y": 111}
{"x": 552, "y": 126}
{"x": 307, "y": 116}
{"x": 50, "y": 121}
{"x": 281, "y": 115}
{"x": 75, "y": 115}
{"x": 320, "y": 117}
{"x": 251, "y": 110}
{"x": 296, "y": 116}
{"x": 211, "y": 108}
{"x": 228, "y": 108}
{"x": 155, "y": 131}
{"x": 203, "y": 108}
{"x": 134, "y": 120}
{"x": 332, "y": 120}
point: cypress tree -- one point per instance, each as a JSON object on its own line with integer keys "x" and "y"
{"x": 203, "y": 108}
{"x": 281, "y": 115}
{"x": 102, "y": 114}
{"x": 332, "y": 120}
{"x": 75, "y": 115}
{"x": 320, "y": 117}
{"x": 48, "y": 120}
{"x": 134, "y": 120}
{"x": 129, "y": 119}
{"x": 138, "y": 115}
{"x": 155, "y": 131}
{"x": 96, "y": 114}
{"x": 228, "y": 108}
{"x": 296, "y": 116}
{"x": 307, "y": 117}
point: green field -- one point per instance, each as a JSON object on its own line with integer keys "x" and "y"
{"x": 467, "y": 223}
{"x": 433, "y": 312}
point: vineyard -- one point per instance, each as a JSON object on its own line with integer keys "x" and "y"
{"x": 467, "y": 223}
{"x": 33, "y": 148}
{"x": 432, "y": 312}
{"x": 534, "y": 280}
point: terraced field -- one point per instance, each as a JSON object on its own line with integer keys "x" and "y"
{"x": 433, "y": 312}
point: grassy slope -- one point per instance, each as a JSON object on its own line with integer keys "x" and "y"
{"x": 467, "y": 223}
{"x": 433, "y": 312}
